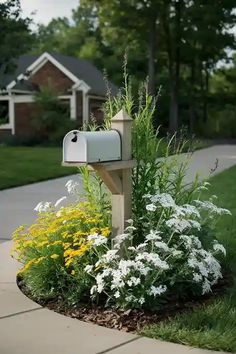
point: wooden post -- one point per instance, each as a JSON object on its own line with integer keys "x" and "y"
{"x": 117, "y": 175}
{"x": 122, "y": 203}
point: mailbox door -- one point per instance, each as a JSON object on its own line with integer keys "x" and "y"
{"x": 75, "y": 147}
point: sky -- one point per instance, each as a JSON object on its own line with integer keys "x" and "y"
{"x": 45, "y": 10}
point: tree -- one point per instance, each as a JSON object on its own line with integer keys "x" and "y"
{"x": 176, "y": 43}
{"x": 16, "y": 37}
{"x": 52, "y": 120}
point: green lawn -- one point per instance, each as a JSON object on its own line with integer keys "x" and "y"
{"x": 210, "y": 326}
{"x": 22, "y": 165}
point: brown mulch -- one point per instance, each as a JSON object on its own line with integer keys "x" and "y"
{"x": 130, "y": 320}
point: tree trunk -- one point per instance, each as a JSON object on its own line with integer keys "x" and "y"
{"x": 192, "y": 117}
{"x": 205, "y": 102}
{"x": 151, "y": 56}
{"x": 173, "y": 114}
{"x": 174, "y": 71}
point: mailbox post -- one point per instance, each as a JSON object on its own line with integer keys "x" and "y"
{"x": 122, "y": 203}
{"x": 116, "y": 174}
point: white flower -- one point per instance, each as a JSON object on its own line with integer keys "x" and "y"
{"x": 117, "y": 294}
{"x": 144, "y": 270}
{"x": 219, "y": 248}
{"x": 117, "y": 279}
{"x": 191, "y": 241}
{"x": 206, "y": 287}
{"x": 97, "y": 239}
{"x": 59, "y": 201}
{"x": 164, "y": 199}
{"x": 197, "y": 277}
{"x": 153, "y": 235}
{"x": 157, "y": 290}
{"x": 141, "y": 300}
{"x": 133, "y": 281}
{"x": 187, "y": 210}
{"x": 43, "y": 207}
{"x": 151, "y": 207}
{"x": 72, "y": 187}
{"x": 100, "y": 283}
{"x": 147, "y": 196}
{"x": 176, "y": 253}
{"x": 162, "y": 245}
{"x": 93, "y": 290}
{"x": 155, "y": 259}
{"x": 130, "y": 221}
{"x": 180, "y": 225}
{"x": 119, "y": 239}
{"x": 88, "y": 268}
{"x": 125, "y": 266}
{"x": 141, "y": 246}
{"x": 211, "y": 208}
{"x": 110, "y": 255}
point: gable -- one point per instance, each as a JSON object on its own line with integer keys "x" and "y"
{"x": 62, "y": 71}
{"x": 50, "y": 75}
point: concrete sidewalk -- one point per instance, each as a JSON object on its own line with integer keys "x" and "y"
{"x": 27, "y": 328}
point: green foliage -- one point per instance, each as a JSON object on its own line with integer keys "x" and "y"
{"x": 15, "y": 39}
{"x": 211, "y": 326}
{"x": 52, "y": 120}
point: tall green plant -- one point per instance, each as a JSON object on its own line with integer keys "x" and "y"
{"x": 152, "y": 173}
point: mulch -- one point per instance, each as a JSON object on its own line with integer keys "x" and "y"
{"x": 129, "y": 320}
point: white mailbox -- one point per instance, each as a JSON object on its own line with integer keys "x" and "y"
{"x": 91, "y": 147}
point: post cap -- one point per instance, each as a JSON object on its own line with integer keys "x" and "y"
{"x": 122, "y": 116}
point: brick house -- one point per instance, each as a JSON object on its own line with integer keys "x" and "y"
{"x": 77, "y": 82}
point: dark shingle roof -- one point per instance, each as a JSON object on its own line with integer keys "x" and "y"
{"x": 82, "y": 69}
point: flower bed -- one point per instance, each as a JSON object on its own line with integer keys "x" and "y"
{"x": 167, "y": 254}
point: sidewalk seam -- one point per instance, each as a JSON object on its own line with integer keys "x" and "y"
{"x": 118, "y": 346}
{"x": 20, "y": 313}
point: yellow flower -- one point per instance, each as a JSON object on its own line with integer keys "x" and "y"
{"x": 54, "y": 256}
{"x": 72, "y": 272}
{"x": 105, "y": 231}
{"x": 39, "y": 260}
{"x": 68, "y": 263}
{"x": 41, "y": 244}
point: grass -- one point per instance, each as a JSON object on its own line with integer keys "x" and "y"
{"x": 23, "y": 165}
{"x": 210, "y": 326}
{"x": 20, "y": 165}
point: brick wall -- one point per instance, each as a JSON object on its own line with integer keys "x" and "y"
{"x": 50, "y": 75}
{"x": 24, "y": 114}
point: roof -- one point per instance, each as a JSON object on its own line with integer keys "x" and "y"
{"x": 82, "y": 69}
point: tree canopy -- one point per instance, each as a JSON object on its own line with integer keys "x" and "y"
{"x": 177, "y": 44}
{"x": 16, "y": 38}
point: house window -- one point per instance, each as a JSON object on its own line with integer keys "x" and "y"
{"x": 4, "y": 112}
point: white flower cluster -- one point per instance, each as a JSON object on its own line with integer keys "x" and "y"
{"x": 136, "y": 274}
{"x": 211, "y": 208}
{"x": 73, "y": 187}
{"x": 43, "y": 207}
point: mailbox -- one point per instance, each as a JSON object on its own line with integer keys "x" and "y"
{"x": 91, "y": 147}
